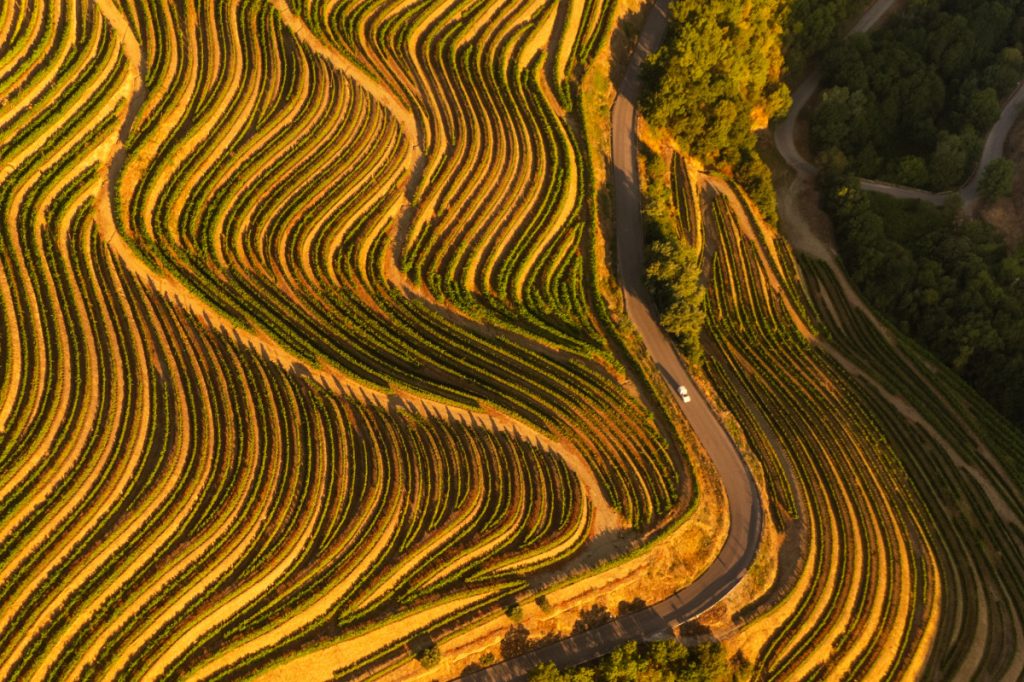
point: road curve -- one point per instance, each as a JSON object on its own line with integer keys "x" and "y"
{"x": 995, "y": 143}
{"x": 745, "y": 514}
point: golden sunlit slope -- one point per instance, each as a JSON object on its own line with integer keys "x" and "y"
{"x": 306, "y": 354}
{"x": 891, "y": 480}
{"x": 232, "y": 427}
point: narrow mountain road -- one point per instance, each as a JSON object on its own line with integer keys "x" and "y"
{"x": 905, "y": 192}
{"x": 995, "y": 141}
{"x": 745, "y": 514}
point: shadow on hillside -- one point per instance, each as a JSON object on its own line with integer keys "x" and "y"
{"x": 623, "y": 40}
{"x": 599, "y": 550}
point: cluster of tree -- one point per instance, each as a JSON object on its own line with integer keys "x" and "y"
{"x": 813, "y": 25}
{"x": 716, "y": 81}
{"x": 667, "y": 661}
{"x": 673, "y": 266}
{"x": 911, "y": 102}
{"x": 948, "y": 282}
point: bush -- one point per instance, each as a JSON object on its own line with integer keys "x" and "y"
{"x": 515, "y": 612}
{"x": 429, "y": 657}
{"x": 997, "y": 180}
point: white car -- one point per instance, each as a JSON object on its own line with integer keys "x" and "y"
{"x": 684, "y": 394}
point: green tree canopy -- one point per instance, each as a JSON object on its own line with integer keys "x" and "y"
{"x": 716, "y": 80}
{"x": 926, "y": 85}
{"x": 673, "y": 266}
{"x": 950, "y": 283}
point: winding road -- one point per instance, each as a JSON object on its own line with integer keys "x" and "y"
{"x": 995, "y": 141}
{"x": 745, "y": 513}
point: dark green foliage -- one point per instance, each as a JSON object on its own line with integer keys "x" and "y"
{"x": 951, "y": 284}
{"x": 922, "y": 90}
{"x": 716, "y": 80}
{"x": 812, "y": 25}
{"x": 673, "y": 267}
{"x": 997, "y": 180}
{"x": 549, "y": 672}
{"x": 673, "y": 273}
{"x": 657, "y": 661}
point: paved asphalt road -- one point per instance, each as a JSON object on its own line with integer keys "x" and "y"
{"x": 745, "y": 516}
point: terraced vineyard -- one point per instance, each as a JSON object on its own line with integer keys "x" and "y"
{"x": 278, "y": 370}
{"x": 310, "y": 353}
{"x": 884, "y": 467}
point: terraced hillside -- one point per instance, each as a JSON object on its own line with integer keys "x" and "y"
{"x": 278, "y": 369}
{"x": 899, "y": 484}
{"x": 311, "y": 356}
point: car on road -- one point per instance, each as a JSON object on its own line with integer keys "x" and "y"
{"x": 684, "y": 394}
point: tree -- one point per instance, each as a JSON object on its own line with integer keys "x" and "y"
{"x": 912, "y": 171}
{"x": 549, "y": 672}
{"x": 928, "y": 84}
{"x": 514, "y": 611}
{"x": 949, "y": 161}
{"x": 837, "y": 113}
{"x": 673, "y": 265}
{"x": 984, "y": 108}
{"x": 996, "y": 180}
{"x": 950, "y": 283}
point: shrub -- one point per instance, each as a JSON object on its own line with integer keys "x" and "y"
{"x": 429, "y": 657}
